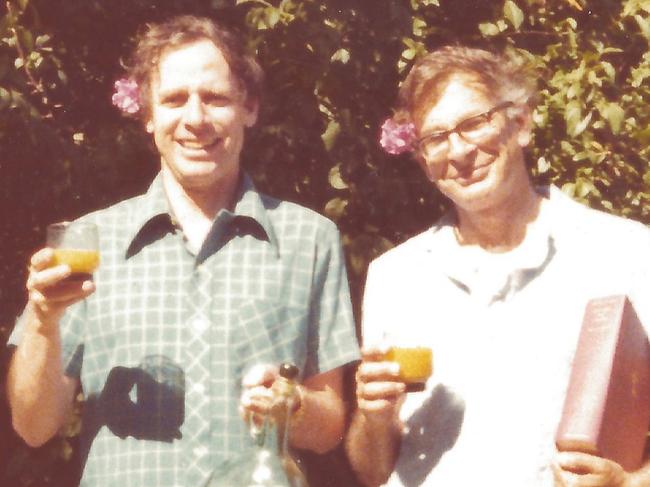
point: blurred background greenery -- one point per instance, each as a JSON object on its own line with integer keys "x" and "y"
{"x": 333, "y": 68}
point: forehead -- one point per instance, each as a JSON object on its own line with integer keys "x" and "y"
{"x": 196, "y": 64}
{"x": 460, "y": 97}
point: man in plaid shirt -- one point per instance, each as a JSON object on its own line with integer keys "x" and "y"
{"x": 205, "y": 286}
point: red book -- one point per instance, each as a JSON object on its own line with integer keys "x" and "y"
{"x": 607, "y": 406}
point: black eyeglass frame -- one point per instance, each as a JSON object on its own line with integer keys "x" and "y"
{"x": 444, "y": 134}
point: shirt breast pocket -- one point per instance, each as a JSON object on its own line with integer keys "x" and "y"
{"x": 270, "y": 332}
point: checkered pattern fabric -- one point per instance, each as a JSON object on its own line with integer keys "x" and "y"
{"x": 161, "y": 346}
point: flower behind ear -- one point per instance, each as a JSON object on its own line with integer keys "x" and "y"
{"x": 126, "y": 96}
{"x": 397, "y": 138}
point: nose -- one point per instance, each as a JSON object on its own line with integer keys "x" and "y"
{"x": 459, "y": 149}
{"x": 194, "y": 112}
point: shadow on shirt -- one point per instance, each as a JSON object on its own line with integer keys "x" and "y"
{"x": 432, "y": 431}
{"x": 146, "y": 402}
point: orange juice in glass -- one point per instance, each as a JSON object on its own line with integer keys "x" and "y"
{"x": 415, "y": 365}
{"x": 77, "y": 245}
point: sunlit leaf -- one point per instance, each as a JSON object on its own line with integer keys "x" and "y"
{"x": 488, "y": 29}
{"x": 614, "y": 114}
{"x": 331, "y": 134}
{"x": 341, "y": 56}
{"x": 335, "y": 179}
{"x": 513, "y": 13}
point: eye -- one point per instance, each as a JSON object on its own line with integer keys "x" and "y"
{"x": 433, "y": 141}
{"x": 173, "y": 100}
{"x": 216, "y": 99}
{"x": 474, "y": 124}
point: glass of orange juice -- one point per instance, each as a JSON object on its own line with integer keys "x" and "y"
{"x": 75, "y": 244}
{"x": 415, "y": 365}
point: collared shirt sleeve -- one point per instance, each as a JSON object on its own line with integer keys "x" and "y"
{"x": 71, "y": 328}
{"x": 331, "y": 308}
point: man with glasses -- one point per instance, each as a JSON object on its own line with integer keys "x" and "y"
{"x": 497, "y": 288}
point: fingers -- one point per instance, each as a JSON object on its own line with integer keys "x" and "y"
{"x": 49, "y": 288}
{"x": 373, "y": 354}
{"x": 261, "y": 374}
{"x": 574, "y": 469}
{"x": 378, "y": 371}
{"x": 42, "y": 259}
{"x": 379, "y": 390}
{"x": 257, "y": 395}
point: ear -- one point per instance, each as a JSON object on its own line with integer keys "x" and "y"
{"x": 431, "y": 171}
{"x": 524, "y": 120}
{"x": 252, "y": 107}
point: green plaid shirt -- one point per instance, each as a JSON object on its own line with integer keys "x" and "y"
{"x": 161, "y": 346}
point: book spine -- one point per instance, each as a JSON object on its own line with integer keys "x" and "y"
{"x": 586, "y": 397}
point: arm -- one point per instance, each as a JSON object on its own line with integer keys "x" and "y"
{"x": 573, "y": 469}
{"x": 318, "y": 423}
{"x": 373, "y": 440}
{"x": 40, "y": 395}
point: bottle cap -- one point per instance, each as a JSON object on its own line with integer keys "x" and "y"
{"x": 288, "y": 371}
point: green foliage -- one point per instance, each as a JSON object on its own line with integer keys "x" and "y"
{"x": 333, "y": 68}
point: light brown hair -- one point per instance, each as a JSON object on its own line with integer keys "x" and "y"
{"x": 158, "y": 39}
{"x": 500, "y": 76}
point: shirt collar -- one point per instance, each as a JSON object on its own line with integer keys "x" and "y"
{"x": 493, "y": 277}
{"x": 152, "y": 209}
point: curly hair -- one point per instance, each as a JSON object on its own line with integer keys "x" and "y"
{"x": 501, "y": 76}
{"x": 158, "y": 39}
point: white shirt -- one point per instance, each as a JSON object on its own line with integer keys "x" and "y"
{"x": 503, "y": 329}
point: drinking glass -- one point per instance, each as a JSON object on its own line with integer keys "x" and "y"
{"x": 415, "y": 365}
{"x": 75, "y": 244}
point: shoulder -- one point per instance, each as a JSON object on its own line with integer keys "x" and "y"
{"x": 115, "y": 213}
{"x": 413, "y": 251}
{"x": 291, "y": 220}
{"x": 577, "y": 224}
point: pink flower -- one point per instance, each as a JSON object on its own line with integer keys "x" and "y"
{"x": 397, "y": 138}
{"x": 126, "y": 96}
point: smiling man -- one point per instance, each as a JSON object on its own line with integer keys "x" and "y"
{"x": 497, "y": 288}
{"x": 205, "y": 286}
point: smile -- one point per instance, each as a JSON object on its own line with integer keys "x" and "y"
{"x": 198, "y": 145}
{"x": 473, "y": 176}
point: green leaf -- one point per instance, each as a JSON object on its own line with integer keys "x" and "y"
{"x": 609, "y": 71}
{"x": 488, "y": 29}
{"x": 573, "y": 117}
{"x": 5, "y": 98}
{"x": 341, "y": 56}
{"x": 644, "y": 26}
{"x": 335, "y": 179}
{"x": 335, "y": 208}
{"x": 614, "y": 114}
{"x": 331, "y": 134}
{"x": 646, "y": 178}
{"x": 513, "y": 13}
{"x": 419, "y": 27}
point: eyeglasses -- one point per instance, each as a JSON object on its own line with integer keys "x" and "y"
{"x": 473, "y": 130}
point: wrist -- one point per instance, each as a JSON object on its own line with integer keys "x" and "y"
{"x": 42, "y": 319}
{"x": 299, "y": 405}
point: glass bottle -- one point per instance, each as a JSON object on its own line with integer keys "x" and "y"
{"x": 271, "y": 463}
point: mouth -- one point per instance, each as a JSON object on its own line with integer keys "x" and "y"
{"x": 199, "y": 146}
{"x": 475, "y": 175}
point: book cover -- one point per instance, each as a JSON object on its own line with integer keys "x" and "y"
{"x": 607, "y": 406}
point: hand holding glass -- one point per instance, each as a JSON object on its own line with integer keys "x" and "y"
{"x": 77, "y": 245}
{"x": 415, "y": 365}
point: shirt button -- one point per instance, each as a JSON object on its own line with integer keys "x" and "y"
{"x": 200, "y": 324}
{"x": 200, "y": 451}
